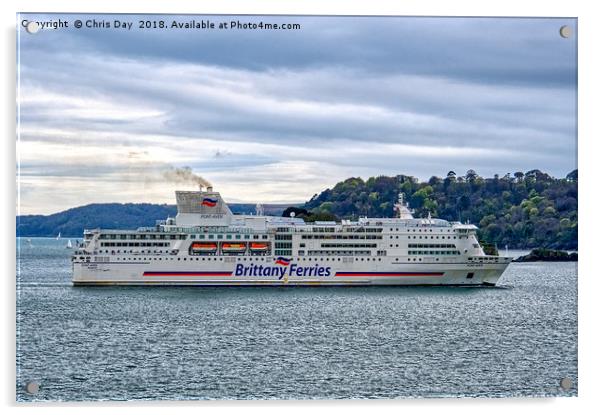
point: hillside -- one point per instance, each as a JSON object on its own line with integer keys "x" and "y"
{"x": 523, "y": 210}
{"x": 72, "y": 222}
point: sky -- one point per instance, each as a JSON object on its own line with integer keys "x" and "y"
{"x": 276, "y": 116}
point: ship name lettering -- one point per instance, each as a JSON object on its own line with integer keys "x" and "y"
{"x": 242, "y": 270}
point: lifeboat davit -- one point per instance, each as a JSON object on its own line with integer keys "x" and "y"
{"x": 203, "y": 247}
{"x": 259, "y": 246}
{"x": 234, "y": 247}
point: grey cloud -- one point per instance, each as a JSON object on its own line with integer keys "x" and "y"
{"x": 504, "y": 86}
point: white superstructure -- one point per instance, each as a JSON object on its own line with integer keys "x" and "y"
{"x": 205, "y": 244}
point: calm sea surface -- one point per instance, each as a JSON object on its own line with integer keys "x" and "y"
{"x": 123, "y": 343}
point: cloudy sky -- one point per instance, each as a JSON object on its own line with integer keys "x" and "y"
{"x": 278, "y": 115}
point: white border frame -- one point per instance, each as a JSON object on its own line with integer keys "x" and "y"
{"x": 588, "y": 150}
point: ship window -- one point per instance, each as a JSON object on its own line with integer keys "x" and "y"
{"x": 211, "y": 236}
{"x": 237, "y": 236}
{"x": 228, "y": 236}
{"x": 247, "y": 236}
{"x": 255, "y": 236}
{"x": 220, "y": 236}
{"x": 264, "y": 237}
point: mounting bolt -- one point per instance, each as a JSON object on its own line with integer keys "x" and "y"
{"x": 32, "y": 27}
{"x": 565, "y": 31}
{"x": 32, "y": 388}
{"x": 566, "y": 384}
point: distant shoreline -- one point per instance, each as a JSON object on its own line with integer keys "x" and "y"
{"x": 548, "y": 255}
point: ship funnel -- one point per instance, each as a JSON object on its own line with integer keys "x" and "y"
{"x": 210, "y": 188}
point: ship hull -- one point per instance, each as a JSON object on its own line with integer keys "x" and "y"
{"x": 220, "y": 273}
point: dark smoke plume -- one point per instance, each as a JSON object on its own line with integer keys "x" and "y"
{"x": 184, "y": 175}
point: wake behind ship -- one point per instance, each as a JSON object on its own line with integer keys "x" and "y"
{"x": 207, "y": 245}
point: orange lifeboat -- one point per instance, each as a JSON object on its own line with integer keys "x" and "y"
{"x": 259, "y": 246}
{"x": 234, "y": 247}
{"x": 203, "y": 247}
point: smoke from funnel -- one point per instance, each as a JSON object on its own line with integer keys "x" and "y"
{"x": 184, "y": 175}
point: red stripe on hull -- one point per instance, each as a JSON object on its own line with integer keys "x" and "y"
{"x": 389, "y": 274}
{"x": 187, "y": 274}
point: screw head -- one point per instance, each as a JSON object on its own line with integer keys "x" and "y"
{"x": 566, "y": 384}
{"x": 32, "y": 27}
{"x": 565, "y": 31}
{"x": 32, "y": 388}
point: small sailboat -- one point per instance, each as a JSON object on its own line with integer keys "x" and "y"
{"x": 29, "y": 244}
{"x": 69, "y": 244}
{"x": 58, "y": 236}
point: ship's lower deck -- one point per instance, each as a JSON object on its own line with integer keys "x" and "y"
{"x": 273, "y": 272}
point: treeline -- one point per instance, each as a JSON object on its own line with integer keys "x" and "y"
{"x": 523, "y": 210}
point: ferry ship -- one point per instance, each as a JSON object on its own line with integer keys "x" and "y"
{"x": 207, "y": 245}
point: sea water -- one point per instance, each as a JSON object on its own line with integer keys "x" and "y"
{"x": 155, "y": 343}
